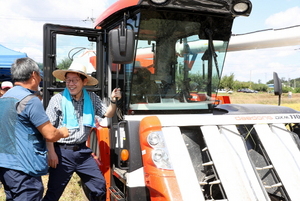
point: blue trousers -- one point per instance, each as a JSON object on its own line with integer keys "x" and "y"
{"x": 19, "y": 186}
{"x": 81, "y": 162}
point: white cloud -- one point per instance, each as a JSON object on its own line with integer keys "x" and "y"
{"x": 22, "y": 20}
{"x": 260, "y": 64}
{"x": 22, "y": 30}
{"x": 257, "y": 65}
{"x": 290, "y": 17}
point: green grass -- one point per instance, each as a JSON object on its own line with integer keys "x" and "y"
{"x": 265, "y": 98}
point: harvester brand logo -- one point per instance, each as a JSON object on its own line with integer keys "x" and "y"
{"x": 295, "y": 116}
{"x": 254, "y": 118}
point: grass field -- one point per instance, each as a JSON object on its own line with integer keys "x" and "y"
{"x": 265, "y": 98}
{"x": 73, "y": 192}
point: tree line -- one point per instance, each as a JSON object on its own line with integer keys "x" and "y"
{"x": 229, "y": 83}
{"x": 226, "y": 82}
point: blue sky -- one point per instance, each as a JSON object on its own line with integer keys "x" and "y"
{"x": 265, "y": 14}
{"x": 22, "y": 30}
{"x": 255, "y": 65}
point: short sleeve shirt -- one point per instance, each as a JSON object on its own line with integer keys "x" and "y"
{"x": 33, "y": 114}
{"x": 77, "y": 135}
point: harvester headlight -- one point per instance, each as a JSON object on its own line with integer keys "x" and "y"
{"x": 161, "y": 159}
{"x": 158, "y": 2}
{"x": 240, "y": 7}
{"x": 155, "y": 139}
{"x": 158, "y": 155}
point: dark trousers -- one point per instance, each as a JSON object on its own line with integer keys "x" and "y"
{"x": 19, "y": 186}
{"x": 70, "y": 161}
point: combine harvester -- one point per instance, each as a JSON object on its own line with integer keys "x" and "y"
{"x": 170, "y": 140}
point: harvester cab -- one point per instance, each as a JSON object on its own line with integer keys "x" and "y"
{"x": 171, "y": 139}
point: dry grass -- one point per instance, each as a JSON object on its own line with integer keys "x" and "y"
{"x": 74, "y": 192}
{"x": 266, "y": 98}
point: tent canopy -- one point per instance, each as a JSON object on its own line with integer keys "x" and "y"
{"x": 7, "y": 58}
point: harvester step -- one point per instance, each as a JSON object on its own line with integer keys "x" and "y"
{"x": 208, "y": 163}
{"x": 116, "y": 193}
{"x": 215, "y": 182}
{"x": 203, "y": 183}
{"x": 274, "y": 185}
{"x": 205, "y": 149}
{"x": 265, "y": 168}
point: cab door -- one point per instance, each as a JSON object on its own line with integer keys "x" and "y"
{"x": 62, "y": 45}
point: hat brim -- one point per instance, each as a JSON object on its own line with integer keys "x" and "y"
{"x": 6, "y": 87}
{"x": 60, "y": 74}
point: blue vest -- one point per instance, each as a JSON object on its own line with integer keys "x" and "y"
{"x": 22, "y": 147}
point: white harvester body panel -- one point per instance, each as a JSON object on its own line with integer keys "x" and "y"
{"x": 284, "y": 155}
{"x": 230, "y": 158}
{"x": 236, "y": 171}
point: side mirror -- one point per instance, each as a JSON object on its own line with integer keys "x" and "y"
{"x": 121, "y": 45}
{"x": 277, "y": 86}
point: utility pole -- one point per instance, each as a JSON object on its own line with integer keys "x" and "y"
{"x": 250, "y": 79}
{"x": 90, "y": 19}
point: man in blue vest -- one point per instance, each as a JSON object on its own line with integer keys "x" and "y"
{"x": 24, "y": 129}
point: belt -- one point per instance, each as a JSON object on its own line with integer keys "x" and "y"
{"x": 74, "y": 147}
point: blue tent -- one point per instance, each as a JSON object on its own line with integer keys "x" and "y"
{"x": 7, "y": 58}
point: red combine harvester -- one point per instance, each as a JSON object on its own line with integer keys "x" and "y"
{"x": 170, "y": 139}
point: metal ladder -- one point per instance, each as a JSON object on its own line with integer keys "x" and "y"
{"x": 281, "y": 154}
{"x": 262, "y": 162}
{"x": 216, "y": 181}
{"x": 232, "y": 164}
{"x": 116, "y": 193}
{"x": 276, "y": 183}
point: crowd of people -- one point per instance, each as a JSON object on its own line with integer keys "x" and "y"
{"x": 35, "y": 142}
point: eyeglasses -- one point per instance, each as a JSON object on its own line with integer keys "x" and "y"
{"x": 68, "y": 81}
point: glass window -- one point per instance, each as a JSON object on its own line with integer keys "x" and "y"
{"x": 69, "y": 48}
{"x": 177, "y": 66}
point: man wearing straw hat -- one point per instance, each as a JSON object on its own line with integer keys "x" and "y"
{"x": 75, "y": 108}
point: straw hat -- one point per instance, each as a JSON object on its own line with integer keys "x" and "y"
{"x": 75, "y": 67}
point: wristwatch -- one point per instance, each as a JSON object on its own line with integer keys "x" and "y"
{"x": 113, "y": 102}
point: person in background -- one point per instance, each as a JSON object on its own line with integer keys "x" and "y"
{"x": 144, "y": 90}
{"x": 24, "y": 129}
{"x": 5, "y": 86}
{"x": 75, "y": 108}
{"x": 39, "y": 93}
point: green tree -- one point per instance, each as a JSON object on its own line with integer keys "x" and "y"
{"x": 41, "y": 66}
{"x": 240, "y": 85}
{"x": 260, "y": 87}
{"x": 297, "y": 90}
{"x": 64, "y": 64}
{"x": 227, "y": 82}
